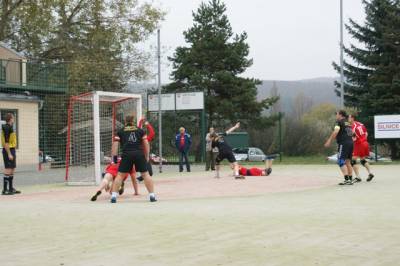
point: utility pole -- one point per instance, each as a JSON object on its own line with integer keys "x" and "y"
{"x": 341, "y": 57}
{"x": 159, "y": 100}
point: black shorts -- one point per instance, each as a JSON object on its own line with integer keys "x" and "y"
{"x": 130, "y": 159}
{"x": 345, "y": 151}
{"x": 8, "y": 164}
{"x": 225, "y": 155}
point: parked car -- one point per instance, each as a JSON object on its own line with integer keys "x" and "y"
{"x": 249, "y": 154}
{"x": 47, "y": 158}
{"x": 370, "y": 158}
{"x": 156, "y": 159}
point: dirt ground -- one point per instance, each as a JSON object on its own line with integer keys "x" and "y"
{"x": 296, "y": 216}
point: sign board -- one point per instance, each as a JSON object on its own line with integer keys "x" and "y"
{"x": 167, "y": 102}
{"x": 387, "y": 126}
{"x": 190, "y": 101}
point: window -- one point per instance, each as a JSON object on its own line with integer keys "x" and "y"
{"x": 3, "y": 113}
{"x": 2, "y": 71}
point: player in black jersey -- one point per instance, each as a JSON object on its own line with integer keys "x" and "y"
{"x": 344, "y": 138}
{"x": 134, "y": 152}
{"x": 225, "y": 151}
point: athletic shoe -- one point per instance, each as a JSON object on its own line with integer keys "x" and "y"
{"x": 139, "y": 178}
{"x": 345, "y": 182}
{"x": 121, "y": 189}
{"x": 15, "y": 191}
{"x": 357, "y": 179}
{"x": 113, "y": 200}
{"x": 370, "y": 176}
{"x": 153, "y": 199}
{"x": 269, "y": 171}
{"x": 239, "y": 177}
{"x": 6, "y": 192}
{"x": 94, "y": 198}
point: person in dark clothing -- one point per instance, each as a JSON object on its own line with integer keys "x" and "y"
{"x": 135, "y": 153}
{"x": 344, "y": 137}
{"x": 225, "y": 152}
{"x": 183, "y": 141}
{"x": 9, "y": 143}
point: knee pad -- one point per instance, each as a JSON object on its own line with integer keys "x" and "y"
{"x": 341, "y": 162}
{"x": 363, "y": 162}
{"x": 353, "y": 162}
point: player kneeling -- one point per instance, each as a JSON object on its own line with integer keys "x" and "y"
{"x": 109, "y": 175}
{"x": 225, "y": 152}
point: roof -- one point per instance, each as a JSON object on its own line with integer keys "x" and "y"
{"x": 18, "y": 97}
{"x": 5, "y": 46}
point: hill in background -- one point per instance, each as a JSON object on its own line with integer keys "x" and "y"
{"x": 309, "y": 92}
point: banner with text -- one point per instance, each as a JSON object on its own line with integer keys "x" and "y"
{"x": 387, "y": 126}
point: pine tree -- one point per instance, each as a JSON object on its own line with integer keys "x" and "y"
{"x": 373, "y": 77}
{"x": 213, "y": 63}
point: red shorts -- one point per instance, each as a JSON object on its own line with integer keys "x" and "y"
{"x": 361, "y": 149}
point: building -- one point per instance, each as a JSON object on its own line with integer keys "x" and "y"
{"x": 35, "y": 93}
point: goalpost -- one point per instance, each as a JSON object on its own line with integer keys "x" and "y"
{"x": 93, "y": 120}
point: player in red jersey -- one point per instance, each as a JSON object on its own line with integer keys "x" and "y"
{"x": 110, "y": 172}
{"x": 361, "y": 148}
{"x": 257, "y": 171}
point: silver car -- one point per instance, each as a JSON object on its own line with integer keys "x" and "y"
{"x": 249, "y": 154}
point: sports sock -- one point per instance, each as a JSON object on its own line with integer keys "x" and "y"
{"x": 10, "y": 182}
{"x": 350, "y": 177}
{"x": 152, "y": 194}
{"x": 236, "y": 173}
{"x": 346, "y": 177}
{"x": 5, "y": 182}
{"x": 114, "y": 195}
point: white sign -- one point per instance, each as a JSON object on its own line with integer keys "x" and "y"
{"x": 167, "y": 102}
{"x": 190, "y": 101}
{"x": 387, "y": 126}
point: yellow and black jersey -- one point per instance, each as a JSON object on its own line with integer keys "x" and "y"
{"x": 8, "y": 136}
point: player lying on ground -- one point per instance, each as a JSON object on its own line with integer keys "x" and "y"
{"x": 254, "y": 171}
{"x": 109, "y": 175}
{"x": 135, "y": 152}
{"x": 361, "y": 148}
{"x": 225, "y": 152}
{"x": 257, "y": 171}
{"x": 344, "y": 138}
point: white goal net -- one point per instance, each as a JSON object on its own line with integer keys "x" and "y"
{"x": 93, "y": 120}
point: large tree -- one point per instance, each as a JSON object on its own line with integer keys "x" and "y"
{"x": 95, "y": 37}
{"x": 373, "y": 73}
{"x": 213, "y": 62}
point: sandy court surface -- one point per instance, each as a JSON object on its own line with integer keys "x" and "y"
{"x": 198, "y": 184}
{"x": 297, "y": 216}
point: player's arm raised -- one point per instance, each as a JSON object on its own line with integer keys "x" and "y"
{"x": 332, "y": 136}
{"x": 233, "y": 128}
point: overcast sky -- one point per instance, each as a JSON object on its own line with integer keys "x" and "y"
{"x": 289, "y": 39}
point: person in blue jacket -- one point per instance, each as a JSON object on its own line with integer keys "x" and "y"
{"x": 183, "y": 141}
